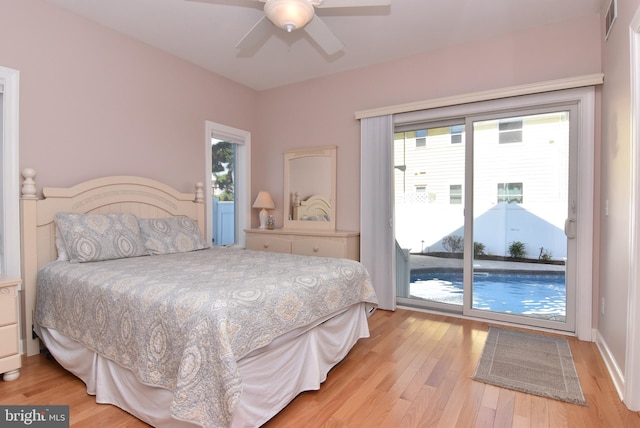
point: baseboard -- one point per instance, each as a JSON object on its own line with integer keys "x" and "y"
{"x": 614, "y": 371}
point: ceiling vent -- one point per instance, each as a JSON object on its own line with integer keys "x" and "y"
{"x": 610, "y": 18}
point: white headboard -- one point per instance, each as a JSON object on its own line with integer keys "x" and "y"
{"x": 143, "y": 197}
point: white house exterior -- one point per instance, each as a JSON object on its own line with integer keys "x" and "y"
{"x": 520, "y": 185}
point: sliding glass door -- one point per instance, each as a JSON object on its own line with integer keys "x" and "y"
{"x": 429, "y": 175}
{"x": 485, "y": 211}
{"x": 521, "y": 245}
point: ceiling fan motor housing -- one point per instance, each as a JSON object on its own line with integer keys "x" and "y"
{"x": 289, "y": 14}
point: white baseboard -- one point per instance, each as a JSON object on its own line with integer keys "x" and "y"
{"x": 614, "y": 370}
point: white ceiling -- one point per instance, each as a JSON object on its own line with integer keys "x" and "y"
{"x": 205, "y": 32}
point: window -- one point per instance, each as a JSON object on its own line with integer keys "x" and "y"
{"x": 421, "y": 138}
{"x": 510, "y": 131}
{"x": 455, "y": 194}
{"x": 510, "y": 193}
{"x": 456, "y": 133}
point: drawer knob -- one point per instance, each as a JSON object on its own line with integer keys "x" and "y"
{"x": 266, "y": 245}
{"x": 315, "y": 249}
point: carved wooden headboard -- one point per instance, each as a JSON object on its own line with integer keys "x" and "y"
{"x": 143, "y": 197}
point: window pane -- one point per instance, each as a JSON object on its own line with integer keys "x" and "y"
{"x": 455, "y": 194}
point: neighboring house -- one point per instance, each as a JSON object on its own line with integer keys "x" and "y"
{"x": 430, "y": 175}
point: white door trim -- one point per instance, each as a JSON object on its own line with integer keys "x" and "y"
{"x": 632, "y": 366}
{"x": 10, "y": 79}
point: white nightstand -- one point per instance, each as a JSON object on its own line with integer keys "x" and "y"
{"x": 9, "y": 332}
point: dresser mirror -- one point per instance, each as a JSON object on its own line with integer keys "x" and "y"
{"x": 310, "y": 189}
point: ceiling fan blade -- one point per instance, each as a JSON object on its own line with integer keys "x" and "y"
{"x": 323, "y": 36}
{"x": 353, "y": 3}
{"x": 257, "y": 35}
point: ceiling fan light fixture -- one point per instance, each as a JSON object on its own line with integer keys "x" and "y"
{"x": 289, "y": 14}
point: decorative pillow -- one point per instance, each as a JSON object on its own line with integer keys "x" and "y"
{"x": 60, "y": 247}
{"x": 171, "y": 235}
{"x": 94, "y": 237}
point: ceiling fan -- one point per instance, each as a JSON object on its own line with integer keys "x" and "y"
{"x": 291, "y": 15}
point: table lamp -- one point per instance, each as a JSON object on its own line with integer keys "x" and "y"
{"x": 263, "y": 201}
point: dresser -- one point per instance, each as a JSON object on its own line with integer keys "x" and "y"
{"x": 9, "y": 332}
{"x": 341, "y": 244}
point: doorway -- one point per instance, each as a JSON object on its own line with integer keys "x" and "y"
{"x": 241, "y": 141}
{"x": 486, "y": 210}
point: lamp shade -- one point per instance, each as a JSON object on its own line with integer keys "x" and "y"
{"x": 289, "y": 14}
{"x": 264, "y": 200}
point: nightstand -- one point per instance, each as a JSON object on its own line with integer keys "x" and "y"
{"x": 9, "y": 332}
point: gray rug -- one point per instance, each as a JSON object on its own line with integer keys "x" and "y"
{"x": 531, "y": 363}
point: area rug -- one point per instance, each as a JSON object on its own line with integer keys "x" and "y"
{"x": 532, "y": 363}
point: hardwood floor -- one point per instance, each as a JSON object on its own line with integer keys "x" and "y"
{"x": 414, "y": 371}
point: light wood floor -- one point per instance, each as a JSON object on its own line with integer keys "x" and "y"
{"x": 414, "y": 371}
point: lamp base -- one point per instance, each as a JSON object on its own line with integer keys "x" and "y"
{"x": 263, "y": 218}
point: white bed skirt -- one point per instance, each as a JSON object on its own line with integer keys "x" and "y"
{"x": 270, "y": 379}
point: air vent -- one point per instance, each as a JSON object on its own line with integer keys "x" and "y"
{"x": 612, "y": 13}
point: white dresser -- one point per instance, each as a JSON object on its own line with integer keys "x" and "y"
{"x": 337, "y": 243}
{"x": 9, "y": 332}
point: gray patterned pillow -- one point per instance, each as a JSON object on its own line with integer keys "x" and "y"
{"x": 171, "y": 235}
{"x": 94, "y": 237}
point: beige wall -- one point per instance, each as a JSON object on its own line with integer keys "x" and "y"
{"x": 615, "y": 184}
{"x": 94, "y": 103}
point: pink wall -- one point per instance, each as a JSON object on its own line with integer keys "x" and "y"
{"x": 321, "y": 111}
{"x": 616, "y": 186}
{"x": 94, "y": 103}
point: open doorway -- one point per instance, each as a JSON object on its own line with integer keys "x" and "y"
{"x": 232, "y": 228}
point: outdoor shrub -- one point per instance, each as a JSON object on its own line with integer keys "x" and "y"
{"x": 453, "y": 243}
{"x": 517, "y": 250}
{"x": 544, "y": 255}
{"x": 478, "y": 249}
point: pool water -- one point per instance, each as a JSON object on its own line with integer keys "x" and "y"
{"x": 539, "y": 295}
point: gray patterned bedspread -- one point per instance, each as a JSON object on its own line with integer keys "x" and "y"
{"x": 182, "y": 321}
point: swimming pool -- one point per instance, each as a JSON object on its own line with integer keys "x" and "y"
{"x": 533, "y": 294}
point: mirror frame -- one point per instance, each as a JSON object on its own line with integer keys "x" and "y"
{"x": 289, "y": 188}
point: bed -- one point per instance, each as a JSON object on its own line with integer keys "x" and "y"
{"x": 189, "y": 335}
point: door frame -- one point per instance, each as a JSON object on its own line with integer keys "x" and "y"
{"x": 243, "y": 177}
{"x": 584, "y": 97}
{"x": 631, "y": 392}
{"x": 10, "y": 79}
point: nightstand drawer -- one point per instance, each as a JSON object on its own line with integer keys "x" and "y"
{"x": 318, "y": 247}
{"x": 8, "y": 306}
{"x": 8, "y": 340}
{"x": 272, "y": 244}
